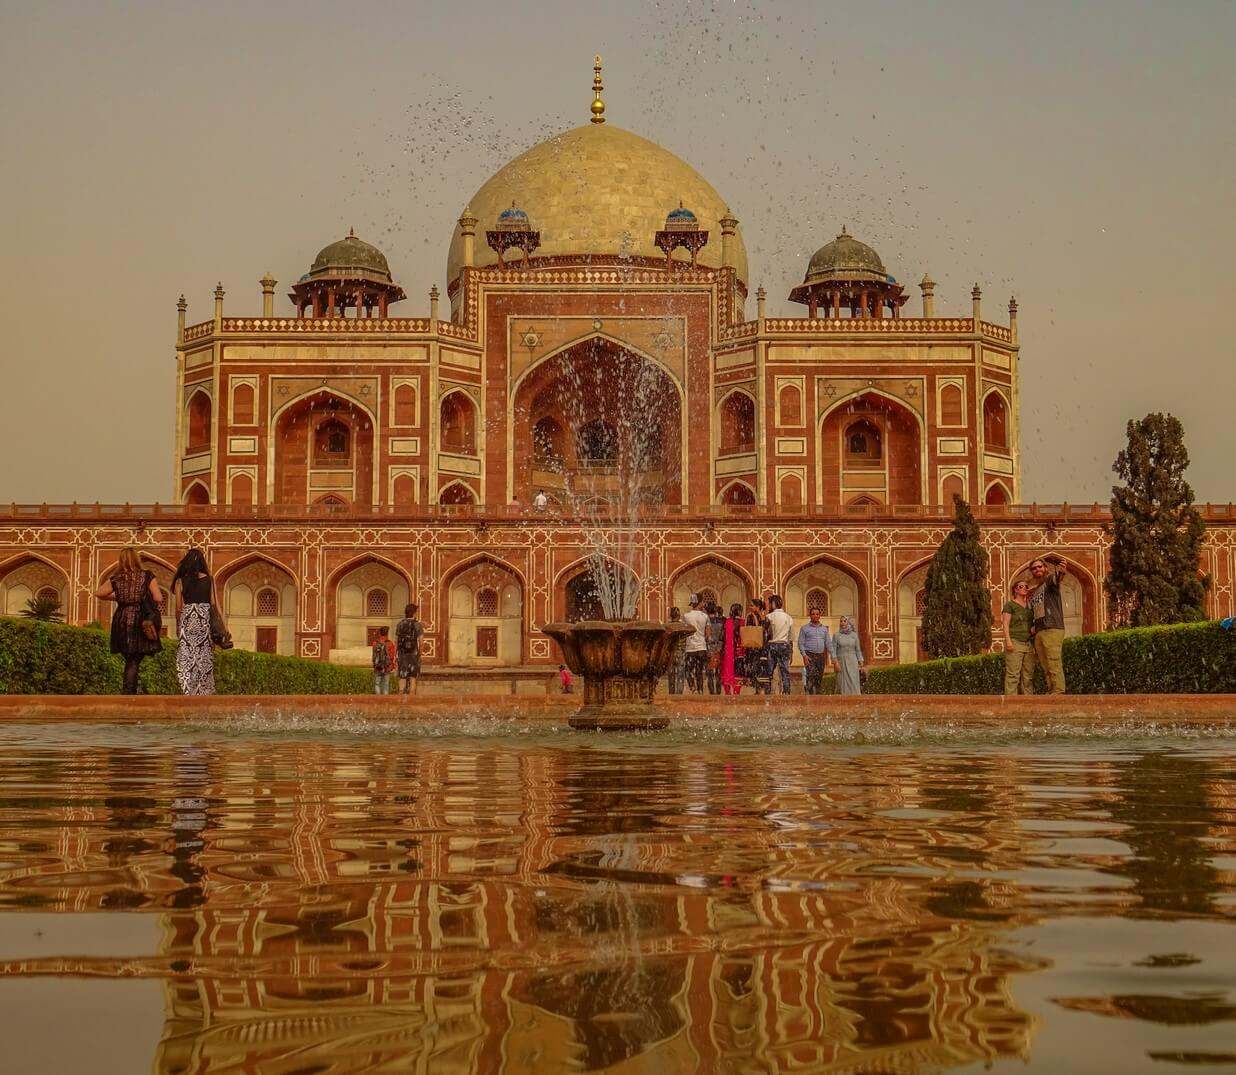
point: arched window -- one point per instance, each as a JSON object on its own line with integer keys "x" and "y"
{"x": 199, "y": 422}
{"x": 332, "y": 444}
{"x": 951, "y": 406}
{"x": 791, "y": 491}
{"x": 952, "y": 486}
{"x": 456, "y": 493}
{"x": 995, "y": 422}
{"x": 267, "y": 603}
{"x": 790, "y": 404}
{"x": 197, "y": 494}
{"x": 377, "y": 603}
{"x": 242, "y": 404}
{"x": 404, "y": 490}
{"x": 997, "y": 494}
{"x": 487, "y": 601}
{"x": 405, "y": 405}
{"x": 597, "y": 443}
{"x": 863, "y": 444}
{"x": 47, "y": 593}
{"x": 242, "y": 490}
{"x": 737, "y": 424}
{"x": 817, "y": 598}
{"x": 739, "y": 494}
{"x": 547, "y": 441}
{"x": 708, "y": 597}
{"x": 458, "y": 424}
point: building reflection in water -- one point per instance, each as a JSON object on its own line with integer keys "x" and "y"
{"x": 353, "y": 907}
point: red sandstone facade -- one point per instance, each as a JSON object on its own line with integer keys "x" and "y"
{"x": 340, "y": 462}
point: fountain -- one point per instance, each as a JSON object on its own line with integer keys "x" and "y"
{"x": 606, "y": 428}
{"x": 621, "y": 662}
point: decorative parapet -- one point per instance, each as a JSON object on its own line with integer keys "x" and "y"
{"x": 883, "y": 326}
{"x": 1041, "y": 515}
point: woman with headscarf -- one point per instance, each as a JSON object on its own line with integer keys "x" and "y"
{"x": 732, "y": 651}
{"x": 135, "y": 623}
{"x": 846, "y": 649}
{"x": 195, "y": 655}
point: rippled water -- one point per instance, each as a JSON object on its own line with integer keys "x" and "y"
{"x": 315, "y": 896}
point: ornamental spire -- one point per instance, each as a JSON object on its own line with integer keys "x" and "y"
{"x": 598, "y": 106}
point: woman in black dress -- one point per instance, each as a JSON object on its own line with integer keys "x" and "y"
{"x": 195, "y": 654}
{"x": 135, "y": 623}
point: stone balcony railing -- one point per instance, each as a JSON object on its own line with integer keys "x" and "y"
{"x": 867, "y": 326}
{"x": 1047, "y": 516}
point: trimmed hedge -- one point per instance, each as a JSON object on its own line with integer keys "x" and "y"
{"x": 51, "y": 658}
{"x": 1187, "y": 658}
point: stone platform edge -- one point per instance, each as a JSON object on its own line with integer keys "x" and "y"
{"x": 1083, "y": 708}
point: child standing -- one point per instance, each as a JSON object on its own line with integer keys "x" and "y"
{"x": 565, "y": 676}
{"x": 383, "y": 658}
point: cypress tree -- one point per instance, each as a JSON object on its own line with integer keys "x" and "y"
{"x": 957, "y": 609}
{"x": 1157, "y": 532}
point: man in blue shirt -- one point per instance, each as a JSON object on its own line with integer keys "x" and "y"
{"x": 813, "y": 645}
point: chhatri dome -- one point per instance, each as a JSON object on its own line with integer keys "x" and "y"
{"x": 350, "y": 257}
{"x": 845, "y": 258}
{"x": 598, "y": 189}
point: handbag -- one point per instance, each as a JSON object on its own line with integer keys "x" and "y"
{"x": 751, "y": 637}
{"x": 219, "y": 634}
{"x": 149, "y": 617}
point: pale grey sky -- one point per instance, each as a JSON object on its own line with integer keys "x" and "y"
{"x": 1079, "y": 156}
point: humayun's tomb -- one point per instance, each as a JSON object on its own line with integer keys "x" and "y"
{"x": 596, "y": 343}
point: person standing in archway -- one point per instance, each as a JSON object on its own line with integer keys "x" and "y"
{"x": 1048, "y": 609}
{"x": 696, "y": 646}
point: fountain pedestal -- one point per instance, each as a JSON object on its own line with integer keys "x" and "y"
{"x": 620, "y": 662}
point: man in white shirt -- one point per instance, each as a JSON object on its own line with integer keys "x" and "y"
{"x": 541, "y": 502}
{"x": 780, "y": 632}
{"x": 696, "y": 648}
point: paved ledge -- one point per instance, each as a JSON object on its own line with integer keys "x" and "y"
{"x": 1208, "y": 709}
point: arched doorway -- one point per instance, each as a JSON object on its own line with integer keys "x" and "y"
{"x": 259, "y": 600}
{"x": 737, "y": 422}
{"x": 602, "y": 424}
{"x": 485, "y": 619}
{"x": 31, "y": 579}
{"x": 871, "y": 446}
{"x": 324, "y": 447}
{"x": 833, "y": 588}
{"x": 368, "y": 596}
{"x": 712, "y": 579}
{"x": 457, "y": 495}
{"x": 601, "y": 589}
{"x": 911, "y": 594}
{"x": 738, "y": 494}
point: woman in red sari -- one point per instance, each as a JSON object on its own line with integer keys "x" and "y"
{"x": 732, "y": 652}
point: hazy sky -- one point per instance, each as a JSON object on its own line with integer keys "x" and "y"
{"x": 1081, "y": 157}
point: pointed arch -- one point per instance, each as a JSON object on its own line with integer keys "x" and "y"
{"x": 890, "y": 400}
{"x": 483, "y": 635}
{"x": 737, "y": 493}
{"x": 580, "y": 566}
{"x": 245, "y": 587}
{"x": 736, "y": 423}
{"x": 910, "y": 584}
{"x": 728, "y": 582}
{"x": 199, "y": 410}
{"x": 458, "y": 417}
{"x": 1077, "y": 620}
{"x": 613, "y": 341}
{"x": 348, "y": 589}
{"x": 26, "y": 575}
{"x": 364, "y": 448}
{"x": 457, "y": 494}
{"x": 197, "y": 494}
{"x": 847, "y": 587}
{"x": 997, "y": 494}
{"x": 997, "y": 433}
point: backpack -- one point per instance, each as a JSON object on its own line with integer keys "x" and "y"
{"x": 381, "y": 657}
{"x": 408, "y": 636}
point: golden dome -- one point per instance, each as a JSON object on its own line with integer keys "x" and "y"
{"x": 598, "y": 190}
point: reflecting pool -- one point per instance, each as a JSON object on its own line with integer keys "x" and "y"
{"x": 307, "y": 896}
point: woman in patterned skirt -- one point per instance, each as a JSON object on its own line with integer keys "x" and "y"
{"x": 195, "y": 655}
{"x": 129, "y": 586}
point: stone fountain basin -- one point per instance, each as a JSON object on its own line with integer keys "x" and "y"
{"x": 620, "y": 662}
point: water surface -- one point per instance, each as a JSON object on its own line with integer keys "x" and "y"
{"x": 736, "y": 896}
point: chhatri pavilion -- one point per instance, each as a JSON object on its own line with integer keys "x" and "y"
{"x": 598, "y": 343}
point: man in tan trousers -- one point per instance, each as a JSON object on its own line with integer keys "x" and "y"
{"x": 1048, "y": 613}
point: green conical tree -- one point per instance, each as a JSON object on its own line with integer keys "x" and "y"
{"x": 46, "y": 609}
{"x": 957, "y": 610}
{"x": 1157, "y": 532}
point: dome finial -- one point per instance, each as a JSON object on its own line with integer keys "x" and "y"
{"x": 352, "y": 232}
{"x": 598, "y": 106}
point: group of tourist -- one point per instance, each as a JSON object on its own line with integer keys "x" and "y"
{"x": 1033, "y": 622}
{"x": 722, "y": 654}
{"x": 137, "y": 624}
{"x": 401, "y": 656}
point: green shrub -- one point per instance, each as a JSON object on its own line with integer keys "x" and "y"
{"x": 1190, "y": 658}
{"x": 47, "y": 658}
